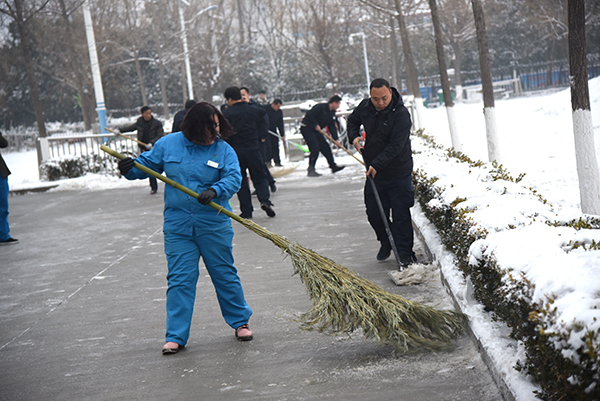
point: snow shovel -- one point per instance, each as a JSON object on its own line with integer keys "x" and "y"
{"x": 379, "y": 204}
{"x": 301, "y": 147}
{"x": 343, "y": 301}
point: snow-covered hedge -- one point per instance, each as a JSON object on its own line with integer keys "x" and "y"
{"x": 74, "y": 166}
{"x": 533, "y": 268}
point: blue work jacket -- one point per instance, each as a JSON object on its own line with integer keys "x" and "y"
{"x": 196, "y": 167}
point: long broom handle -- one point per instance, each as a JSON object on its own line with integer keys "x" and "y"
{"x": 288, "y": 141}
{"x": 341, "y": 147}
{"x": 125, "y": 136}
{"x": 172, "y": 183}
{"x": 379, "y": 204}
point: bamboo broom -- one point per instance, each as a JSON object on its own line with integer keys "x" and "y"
{"x": 343, "y": 301}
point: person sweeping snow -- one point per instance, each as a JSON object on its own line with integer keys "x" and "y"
{"x": 388, "y": 157}
{"x": 199, "y": 158}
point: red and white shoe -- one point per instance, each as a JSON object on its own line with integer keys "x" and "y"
{"x": 243, "y": 333}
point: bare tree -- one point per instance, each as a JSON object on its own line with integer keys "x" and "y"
{"x": 22, "y": 12}
{"x": 489, "y": 110}
{"x": 412, "y": 78}
{"x": 458, "y": 29}
{"x": 444, "y": 75}
{"x": 585, "y": 149}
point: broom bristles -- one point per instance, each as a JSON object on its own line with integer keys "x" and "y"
{"x": 343, "y": 302}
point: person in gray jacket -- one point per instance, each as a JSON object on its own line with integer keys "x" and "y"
{"x": 5, "y": 238}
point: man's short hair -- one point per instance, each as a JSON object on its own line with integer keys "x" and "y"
{"x": 277, "y": 101}
{"x": 143, "y": 109}
{"x": 190, "y": 103}
{"x": 379, "y": 83}
{"x": 263, "y": 92}
{"x": 243, "y": 88}
{"x": 233, "y": 93}
{"x": 335, "y": 99}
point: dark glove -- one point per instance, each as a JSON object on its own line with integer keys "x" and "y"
{"x": 206, "y": 196}
{"x": 125, "y": 165}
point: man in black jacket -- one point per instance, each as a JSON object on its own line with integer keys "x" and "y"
{"x": 149, "y": 130}
{"x": 262, "y": 136}
{"x": 248, "y": 121}
{"x": 316, "y": 119}
{"x": 275, "y": 124}
{"x": 388, "y": 158}
{"x": 178, "y": 119}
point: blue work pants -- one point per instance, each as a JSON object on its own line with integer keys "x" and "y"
{"x": 4, "y": 228}
{"x": 183, "y": 257}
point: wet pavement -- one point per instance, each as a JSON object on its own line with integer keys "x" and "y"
{"x": 82, "y": 306}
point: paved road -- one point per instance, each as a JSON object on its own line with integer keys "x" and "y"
{"x": 82, "y": 307}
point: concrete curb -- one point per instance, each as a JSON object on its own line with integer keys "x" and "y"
{"x": 509, "y": 385}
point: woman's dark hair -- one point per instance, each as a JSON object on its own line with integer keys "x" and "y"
{"x": 198, "y": 126}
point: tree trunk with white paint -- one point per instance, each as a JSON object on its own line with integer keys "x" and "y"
{"x": 439, "y": 46}
{"x": 585, "y": 149}
{"x": 486, "y": 83}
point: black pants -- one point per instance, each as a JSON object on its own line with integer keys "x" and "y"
{"x": 316, "y": 143}
{"x": 273, "y": 149}
{"x": 153, "y": 182}
{"x": 264, "y": 151}
{"x": 251, "y": 160}
{"x": 397, "y": 195}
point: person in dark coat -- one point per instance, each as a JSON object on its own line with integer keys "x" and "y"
{"x": 275, "y": 124}
{"x": 316, "y": 119}
{"x": 178, "y": 119}
{"x": 388, "y": 158}
{"x": 248, "y": 121}
{"x": 262, "y": 136}
{"x": 149, "y": 130}
{"x": 5, "y": 238}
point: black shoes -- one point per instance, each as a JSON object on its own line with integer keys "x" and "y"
{"x": 268, "y": 209}
{"x": 10, "y": 241}
{"x": 313, "y": 173}
{"x": 337, "y": 168}
{"x": 153, "y": 191}
{"x": 246, "y": 216}
{"x": 407, "y": 260}
{"x": 384, "y": 252}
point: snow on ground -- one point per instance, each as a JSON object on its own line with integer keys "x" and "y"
{"x": 536, "y": 138}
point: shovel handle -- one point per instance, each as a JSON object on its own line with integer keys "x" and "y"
{"x": 125, "y": 136}
{"x": 341, "y": 147}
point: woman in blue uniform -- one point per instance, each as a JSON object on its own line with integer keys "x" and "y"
{"x": 198, "y": 159}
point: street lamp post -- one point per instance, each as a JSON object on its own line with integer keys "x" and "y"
{"x": 186, "y": 53}
{"x": 362, "y": 34}
{"x": 97, "y": 79}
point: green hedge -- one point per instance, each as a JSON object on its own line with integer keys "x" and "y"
{"x": 509, "y": 298}
{"x": 74, "y": 166}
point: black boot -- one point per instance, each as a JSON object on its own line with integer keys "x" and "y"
{"x": 337, "y": 168}
{"x": 312, "y": 172}
{"x": 384, "y": 252}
